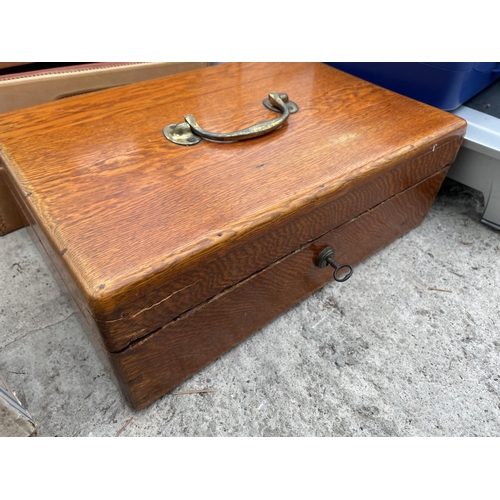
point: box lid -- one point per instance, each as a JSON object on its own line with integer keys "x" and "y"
{"x": 139, "y": 222}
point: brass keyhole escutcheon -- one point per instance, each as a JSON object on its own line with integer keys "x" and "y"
{"x": 326, "y": 257}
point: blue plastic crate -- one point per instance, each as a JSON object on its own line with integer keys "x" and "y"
{"x": 443, "y": 85}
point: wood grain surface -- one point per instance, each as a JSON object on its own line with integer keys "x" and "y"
{"x": 158, "y": 363}
{"x": 145, "y": 230}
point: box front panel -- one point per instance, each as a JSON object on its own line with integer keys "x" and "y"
{"x": 156, "y": 364}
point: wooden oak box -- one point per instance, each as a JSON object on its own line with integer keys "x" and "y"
{"x": 173, "y": 253}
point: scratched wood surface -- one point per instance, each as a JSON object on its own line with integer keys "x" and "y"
{"x": 144, "y": 230}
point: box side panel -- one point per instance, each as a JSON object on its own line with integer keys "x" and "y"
{"x": 11, "y": 217}
{"x": 53, "y": 260}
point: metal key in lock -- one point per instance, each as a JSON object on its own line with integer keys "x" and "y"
{"x": 326, "y": 257}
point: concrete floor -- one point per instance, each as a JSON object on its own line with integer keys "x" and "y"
{"x": 408, "y": 347}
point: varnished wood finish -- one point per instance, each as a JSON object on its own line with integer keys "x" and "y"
{"x": 158, "y": 363}
{"x": 146, "y": 229}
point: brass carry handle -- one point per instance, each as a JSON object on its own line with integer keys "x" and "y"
{"x": 189, "y": 132}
